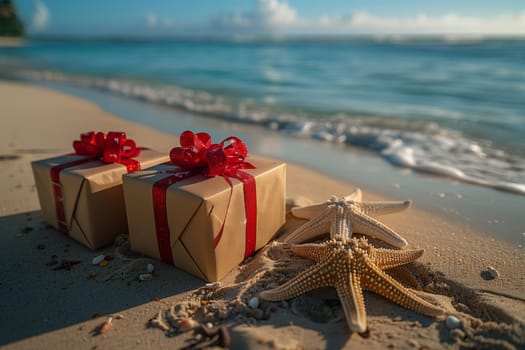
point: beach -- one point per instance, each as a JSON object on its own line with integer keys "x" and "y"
{"x": 44, "y": 308}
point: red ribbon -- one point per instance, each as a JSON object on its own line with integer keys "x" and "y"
{"x": 110, "y": 148}
{"x": 197, "y": 154}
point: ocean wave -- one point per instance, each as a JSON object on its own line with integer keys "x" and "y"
{"x": 421, "y": 146}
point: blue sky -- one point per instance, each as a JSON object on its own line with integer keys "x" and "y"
{"x": 249, "y": 17}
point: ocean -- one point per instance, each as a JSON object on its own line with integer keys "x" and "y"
{"x": 448, "y": 107}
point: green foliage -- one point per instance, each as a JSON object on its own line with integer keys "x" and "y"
{"x": 10, "y": 24}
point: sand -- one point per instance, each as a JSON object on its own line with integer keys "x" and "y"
{"x": 43, "y": 308}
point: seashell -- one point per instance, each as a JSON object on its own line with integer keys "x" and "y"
{"x": 254, "y": 302}
{"x": 106, "y": 326}
{"x": 98, "y": 259}
{"x": 187, "y": 324}
{"x": 213, "y": 285}
{"x": 145, "y": 277}
{"x": 150, "y": 268}
{"x": 493, "y": 272}
{"x": 452, "y": 322}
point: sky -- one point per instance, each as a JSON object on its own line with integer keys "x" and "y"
{"x": 271, "y": 17}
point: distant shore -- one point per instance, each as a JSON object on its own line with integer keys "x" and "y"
{"x": 7, "y": 41}
{"x": 58, "y": 309}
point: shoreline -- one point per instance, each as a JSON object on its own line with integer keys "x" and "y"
{"x": 455, "y": 252}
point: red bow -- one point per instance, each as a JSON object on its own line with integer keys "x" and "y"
{"x": 111, "y": 148}
{"x": 197, "y": 151}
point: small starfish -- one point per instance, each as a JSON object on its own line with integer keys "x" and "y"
{"x": 352, "y": 266}
{"x": 342, "y": 216}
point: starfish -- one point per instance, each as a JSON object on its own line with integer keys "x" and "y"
{"x": 342, "y": 216}
{"x": 352, "y": 266}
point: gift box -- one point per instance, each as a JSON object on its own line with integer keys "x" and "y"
{"x": 205, "y": 219}
{"x": 81, "y": 193}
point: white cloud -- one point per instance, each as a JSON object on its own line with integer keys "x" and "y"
{"x": 267, "y": 14}
{"x": 450, "y": 23}
{"x": 41, "y": 15}
{"x": 273, "y": 12}
{"x": 151, "y": 19}
{"x": 278, "y": 16}
{"x": 154, "y": 21}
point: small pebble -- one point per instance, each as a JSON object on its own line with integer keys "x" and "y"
{"x": 212, "y": 285}
{"x": 145, "y": 277}
{"x": 119, "y": 316}
{"x": 258, "y": 314}
{"x": 254, "y": 302}
{"x": 150, "y": 268}
{"x": 96, "y": 260}
{"x": 187, "y": 324}
{"x": 209, "y": 325}
{"x": 452, "y": 322}
{"x": 493, "y": 272}
{"x": 103, "y": 263}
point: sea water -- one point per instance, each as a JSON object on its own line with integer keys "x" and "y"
{"x": 448, "y": 107}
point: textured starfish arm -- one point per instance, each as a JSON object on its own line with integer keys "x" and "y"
{"x": 379, "y": 282}
{"x": 387, "y": 258}
{"x": 369, "y": 226}
{"x": 313, "y": 251}
{"x": 312, "y": 278}
{"x": 340, "y": 226}
{"x": 355, "y": 196}
{"x": 383, "y": 208}
{"x": 310, "y": 211}
{"x": 312, "y": 229}
{"x": 351, "y": 297}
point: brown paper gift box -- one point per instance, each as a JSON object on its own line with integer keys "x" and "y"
{"x": 196, "y": 208}
{"x": 92, "y": 196}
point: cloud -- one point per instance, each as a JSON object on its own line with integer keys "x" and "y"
{"x": 41, "y": 15}
{"x": 268, "y": 14}
{"x": 154, "y": 21}
{"x": 273, "y": 12}
{"x": 277, "y": 16}
{"x": 450, "y": 23}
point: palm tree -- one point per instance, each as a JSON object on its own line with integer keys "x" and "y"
{"x": 10, "y": 24}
